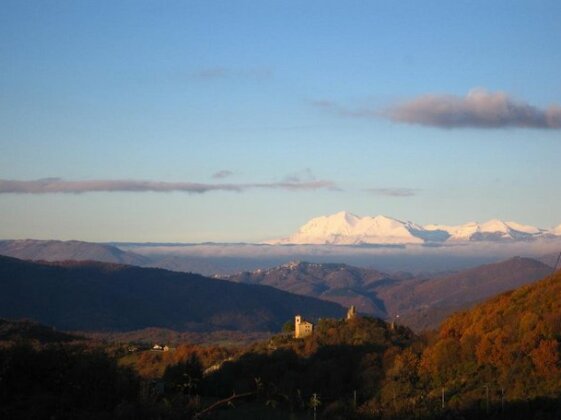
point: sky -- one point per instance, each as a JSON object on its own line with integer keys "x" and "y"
{"x": 194, "y": 121}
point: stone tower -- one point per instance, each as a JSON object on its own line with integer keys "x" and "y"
{"x": 351, "y": 313}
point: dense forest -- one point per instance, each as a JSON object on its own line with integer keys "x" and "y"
{"x": 499, "y": 360}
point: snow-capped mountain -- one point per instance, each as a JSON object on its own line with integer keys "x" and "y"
{"x": 491, "y": 230}
{"x": 345, "y": 228}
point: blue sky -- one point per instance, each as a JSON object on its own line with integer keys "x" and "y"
{"x": 329, "y": 97}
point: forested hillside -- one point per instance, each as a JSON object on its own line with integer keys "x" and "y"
{"x": 111, "y": 297}
{"x": 511, "y": 343}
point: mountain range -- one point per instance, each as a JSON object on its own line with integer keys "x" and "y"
{"x": 340, "y": 283}
{"x": 420, "y": 302}
{"x": 424, "y": 303}
{"x": 345, "y": 228}
{"x": 113, "y": 297}
{"x": 52, "y": 250}
{"x": 230, "y": 258}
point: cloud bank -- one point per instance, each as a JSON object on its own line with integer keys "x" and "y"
{"x": 393, "y": 192}
{"x": 478, "y": 109}
{"x": 391, "y": 258}
{"x": 58, "y": 185}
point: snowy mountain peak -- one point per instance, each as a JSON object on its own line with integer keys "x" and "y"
{"x": 525, "y": 228}
{"x": 494, "y": 229}
{"x": 343, "y": 217}
{"x": 345, "y": 228}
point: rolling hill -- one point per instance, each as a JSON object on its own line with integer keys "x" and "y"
{"x": 112, "y": 297}
{"x": 421, "y": 303}
{"x": 424, "y": 303}
{"x": 51, "y": 250}
{"x": 340, "y": 283}
{"x": 511, "y": 342}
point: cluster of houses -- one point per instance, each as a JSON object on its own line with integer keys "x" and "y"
{"x": 133, "y": 348}
{"x": 158, "y": 347}
{"x": 303, "y": 328}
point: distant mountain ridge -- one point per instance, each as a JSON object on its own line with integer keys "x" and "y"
{"x": 227, "y": 259}
{"x": 421, "y": 302}
{"x": 424, "y": 303}
{"x": 90, "y": 296}
{"x": 345, "y": 228}
{"x": 340, "y": 283}
{"x": 53, "y": 250}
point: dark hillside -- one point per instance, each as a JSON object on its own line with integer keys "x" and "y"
{"x": 424, "y": 303}
{"x": 19, "y": 331}
{"x": 340, "y": 283}
{"x": 111, "y": 297}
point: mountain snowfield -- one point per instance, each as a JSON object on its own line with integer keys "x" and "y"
{"x": 345, "y": 228}
{"x": 492, "y": 229}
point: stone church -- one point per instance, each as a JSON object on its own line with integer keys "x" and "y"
{"x": 302, "y": 328}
